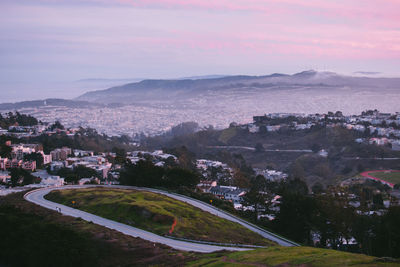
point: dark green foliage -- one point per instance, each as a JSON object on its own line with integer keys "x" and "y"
{"x": 360, "y": 168}
{"x": 297, "y": 171}
{"x": 183, "y": 129}
{"x": 38, "y": 157}
{"x": 27, "y": 241}
{"x": 295, "y": 217}
{"x": 21, "y": 177}
{"x": 17, "y": 118}
{"x": 388, "y": 234}
{"x": 54, "y": 141}
{"x": 259, "y": 147}
{"x": 317, "y": 188}
{"x": 145, "y": 173}
{"x": 379, "y": 235}
{"x": 77, "y": 173}
{"x": 176, "y": 177}
{"x": 347, "y": 170}
{"x": 5, "y": 151}
{"x": 263, "y": 129}
{"x": 337, "y": 141}
{"x": 57, "y": 125}
{"x": 85, "y": 139}
{"x": 378, "y": 201}
{"x": 295, "y": 187}
{"x": 316, "y": 147}
{"x": 257, "y": 196}
{"x": 120, "y": 157}
{"x": 334, "y": 220}
{"x": 185, "y": 157}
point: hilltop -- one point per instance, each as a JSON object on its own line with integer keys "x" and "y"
{"x": 153, "y": 106}
{"x": 240, "y": 84}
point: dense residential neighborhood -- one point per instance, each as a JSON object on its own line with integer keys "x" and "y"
{"x": 199, "y": 133}
{"x": 379, "y": 128}
{"x": 256, "y": 193}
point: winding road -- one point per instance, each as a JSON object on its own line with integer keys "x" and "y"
{"x": 264, "y": 150}
{"x": 37, "y": 197}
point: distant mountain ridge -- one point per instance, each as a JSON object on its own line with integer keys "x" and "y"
{"x": 306, "y": 91}
{"x": 157, "y": 89}
{"x": 153, "y": 106}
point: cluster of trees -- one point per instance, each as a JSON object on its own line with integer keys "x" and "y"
{"x": 17, "y": 118}
{"x": 22, "y": 177}
{"x": 57, "y": 125}
{"x": 5, "y": 151}
{"x": 185, "y": 157}
{"x": 328, "y": 216}
{"x": 338, "y": 141}
{"x": 183, "y": 129}
{"x": 85, "y": 139}
{"x": 77, "y": 173}
{"x": 266, "y": 120}
{"x": 145, "y": 173}
{"x": 38, "y": 157}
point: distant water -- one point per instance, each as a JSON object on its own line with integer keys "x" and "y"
{"x": 25, "y": 91}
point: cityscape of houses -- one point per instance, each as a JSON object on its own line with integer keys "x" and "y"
{"x": 380, "y": 128}
{"x": 217, "y": 177}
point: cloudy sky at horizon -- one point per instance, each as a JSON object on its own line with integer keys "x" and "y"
{"x": 48, "y": 42}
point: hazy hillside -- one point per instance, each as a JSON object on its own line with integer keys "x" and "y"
{"x": 307, "y": 92}
{"x": 154, "y": 106}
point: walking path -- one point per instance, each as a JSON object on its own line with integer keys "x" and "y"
{"x": 37, "y": 197}
{"x": 265, "y": 150}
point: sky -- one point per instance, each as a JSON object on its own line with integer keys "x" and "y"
{"x": 48, "y": 45}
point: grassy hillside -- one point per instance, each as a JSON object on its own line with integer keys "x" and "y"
{"x": 34, "y": 236}
{"x": 157, "y": 213}
{"x": 346, "y": 157}
{"x": 31, "y": 235}
{"x": 293, "y": 256}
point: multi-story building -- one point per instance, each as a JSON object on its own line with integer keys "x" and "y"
{"x": 14, "y": 164}
{"x": 3, "y": 163}
{"x": 47, "y": 159}
{"x": 20, "y": 150}
{"x": 29, "y": 165}
{"x": 6, "y": 164}
{"x": 60, "y": 153}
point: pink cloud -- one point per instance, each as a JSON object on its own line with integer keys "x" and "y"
{"x": 297, "y": 30}
{"x": 360, "y": 12}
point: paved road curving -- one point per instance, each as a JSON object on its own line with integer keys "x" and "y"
{"x": 220, "y": 213}
{"x": 265, "y": 150}
{"x": 37, "y": 197}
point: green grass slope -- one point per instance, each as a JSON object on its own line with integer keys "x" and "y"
{"x": 157, "y": 213}
{"x": 292, "y": 256}
{"x": 31, "y": 235}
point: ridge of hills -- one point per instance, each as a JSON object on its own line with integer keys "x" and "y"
{"x": 158, "y": 89}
